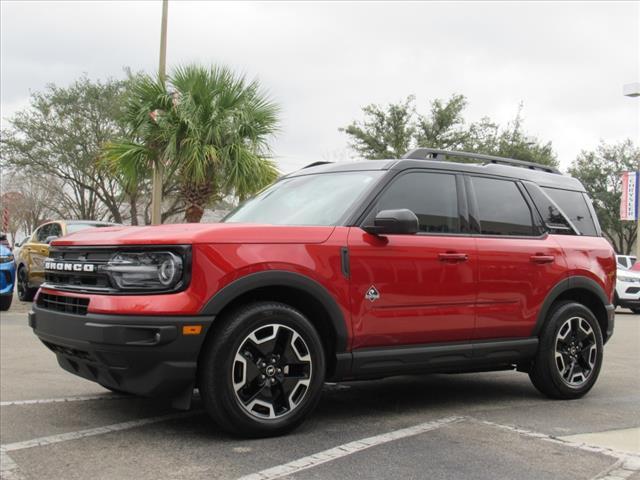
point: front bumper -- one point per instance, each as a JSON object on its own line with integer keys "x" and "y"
{"x": 7, "y": 277}
{"x": 143, "y": 355}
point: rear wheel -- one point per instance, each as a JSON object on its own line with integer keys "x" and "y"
{"x": 569, "y": 356}
{"x": 262, "y": 370}
{"x": 5, "y": 302}
{"x": 25, "y": 292}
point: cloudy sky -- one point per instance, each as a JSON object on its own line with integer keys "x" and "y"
{"x": 322, "y": 61}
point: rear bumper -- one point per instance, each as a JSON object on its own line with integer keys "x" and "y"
{"x": 143, "y": 355}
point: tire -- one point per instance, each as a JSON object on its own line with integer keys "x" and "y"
{"x": 261, "y": 370}
{"x": 635, "y": 310}
{"x": 25, "y": 292}
{"x": 5, "y": 302}
{"x": 572, "y": 333}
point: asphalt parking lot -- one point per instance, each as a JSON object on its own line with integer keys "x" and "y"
{"x": 487, "y": 426}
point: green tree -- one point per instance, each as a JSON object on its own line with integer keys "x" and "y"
{"x": 391, "y": 131}
{"x": 60, "y": 136}
{"x": 600, "y": 171}
{"x": 209, "y": 128}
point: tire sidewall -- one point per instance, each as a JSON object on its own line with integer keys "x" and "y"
{"x": 558, "y": 317}
{"x": 241, "y": 324}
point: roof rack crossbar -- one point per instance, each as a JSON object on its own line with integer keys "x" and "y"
{"x": 439, "y": 155}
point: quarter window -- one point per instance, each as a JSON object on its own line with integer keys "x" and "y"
{"x": 574, "y": 205}
{"x": 432, "y": 197}
{"x": 502, "y": 208}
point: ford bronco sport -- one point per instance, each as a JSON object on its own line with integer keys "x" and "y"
{"x": 340, "y": 272}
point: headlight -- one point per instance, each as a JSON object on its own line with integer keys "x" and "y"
{"x": 145, "y": 270}
{"x": 6, "y": 258}
{"x": 624, "y": 278}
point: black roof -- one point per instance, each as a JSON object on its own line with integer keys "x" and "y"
{"x": 539, "y": 174}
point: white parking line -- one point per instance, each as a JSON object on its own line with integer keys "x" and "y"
{"x": 9, "y": 469}
{"x": 62, "y": 399}
{"x": 627, "y": 464}
{"x": 347, "y": 449}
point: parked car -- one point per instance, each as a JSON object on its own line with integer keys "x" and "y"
{"x": 341, "y": 272}
{"x": 35, "y": 249}
{"x": 626, "y": 262}
{"x": 628, "y": 290}
{"x": 7, "y": 277}
{"x": 4, "y": 241}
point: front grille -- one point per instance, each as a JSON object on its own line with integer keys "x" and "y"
{"x": 632, "y": 290}
{"x": 79, "y": 280}
{"x": 60, "y": 303}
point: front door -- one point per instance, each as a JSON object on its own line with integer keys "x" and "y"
{"x": 414, "y": 289}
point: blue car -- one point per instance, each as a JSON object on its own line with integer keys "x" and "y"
{"x": 7, "y": 277}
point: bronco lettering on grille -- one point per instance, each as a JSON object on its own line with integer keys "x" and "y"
{"x": 69, "y": 267}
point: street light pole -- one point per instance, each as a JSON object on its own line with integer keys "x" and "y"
{"x": 156, "y": 189}
{"x": 633, "y": 90}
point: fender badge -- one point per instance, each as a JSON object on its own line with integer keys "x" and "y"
{"x": 372, "y": 294}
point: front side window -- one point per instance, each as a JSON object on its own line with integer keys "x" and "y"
{"x": 320, "y": 199}
{"x": 502, "y": 208}
{"x": 431, "y": 196}
{"x": 55, "y": 230}
{"x": 42, "y": 233}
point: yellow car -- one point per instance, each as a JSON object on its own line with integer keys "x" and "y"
{"x": 35, "y": 249}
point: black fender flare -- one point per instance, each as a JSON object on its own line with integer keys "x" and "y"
{"x": 564, "y": 285}
{"x": 282, "y": 278}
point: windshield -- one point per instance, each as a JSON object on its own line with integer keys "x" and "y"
{"x": 321, "y": 199}
{"x": 76, "y": 227}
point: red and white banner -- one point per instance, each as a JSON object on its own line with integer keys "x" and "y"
{"x": 629, "y": 199}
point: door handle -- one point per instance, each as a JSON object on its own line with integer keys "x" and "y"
{"x": 542, "y": 259}
{"x": 453, "y": 257}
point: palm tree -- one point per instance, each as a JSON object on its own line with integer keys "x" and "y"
{"x": 207, "y": 126}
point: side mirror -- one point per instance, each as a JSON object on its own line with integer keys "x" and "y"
{"x": 388, "y": 222}
{"x": 50, "y": 239}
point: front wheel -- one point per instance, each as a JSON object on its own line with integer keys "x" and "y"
{"x": 569, "y": 356}
{"x": 25, "y": 292}
{"x": 262, "y": 370}
{"x": 5, "y": 302}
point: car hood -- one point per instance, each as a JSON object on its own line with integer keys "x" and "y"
{"x": 195, "y": 233}
{"x": 627, "y": 273}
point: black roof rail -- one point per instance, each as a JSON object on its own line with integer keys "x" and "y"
{"x": 314, "y": 164}
{"x": 439, "y": 155}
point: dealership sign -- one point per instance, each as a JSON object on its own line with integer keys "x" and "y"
{"x": 629, "y": 200}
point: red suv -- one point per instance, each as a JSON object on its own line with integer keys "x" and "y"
{"x": 340, "y": 272}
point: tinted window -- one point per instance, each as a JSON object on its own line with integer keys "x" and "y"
{"x": 502, "y": 208}
{"x": 431, "y": 196}
{"x": 576, "y": 208}
{"x": 42, "y": 233}
{"x": 622, "y": 261}
{"x": 553, "y": 218}
{"x": 55, "y": 230}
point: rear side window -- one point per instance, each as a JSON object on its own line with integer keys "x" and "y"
{"x": 431, "y": 196}
{"x": 574, "y": 205}
{"x": 502, "y": 208}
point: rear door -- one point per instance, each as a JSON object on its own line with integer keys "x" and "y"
{"x": 413, "y": 289}
{"x": 518, "y": 264}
